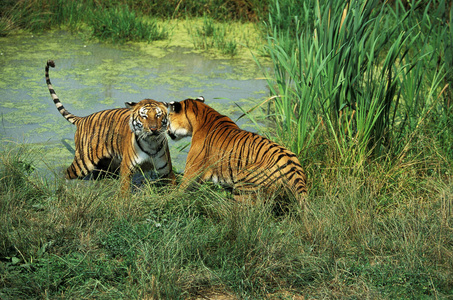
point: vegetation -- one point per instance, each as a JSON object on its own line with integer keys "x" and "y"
{"x": 105, "y": 22}
{"x": 360, "y": 90}
{"x": 363, "y": 74}
{"x": 122, "y": 24}
{"x": 388, "y": 237}
{"x": 210, "y": 35}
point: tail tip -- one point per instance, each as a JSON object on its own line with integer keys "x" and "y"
{"x": 51, "y": 63}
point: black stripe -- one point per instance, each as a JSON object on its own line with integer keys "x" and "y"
{"x": 106, "y": 125}
{"x": 138, "y": 144}
{"x": 258, "y": 174}
{"x": 261, "y": 145}
{"x": 293, "y": 172}
{"x": 87, "y": 170}
{"x": 96, "y": 145}
{"x": 78, "y": 171}
{"x": 230, "y": 168}
{"x": 187, "y": 117}
{"x": 166, "y": 164}
{"x": 241, "y": 158}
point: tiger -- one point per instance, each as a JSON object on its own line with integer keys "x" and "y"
{"x": 241, "y": 161}
{"x": 121, "y": 139}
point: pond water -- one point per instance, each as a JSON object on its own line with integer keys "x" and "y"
{"x": 90, "y": 77}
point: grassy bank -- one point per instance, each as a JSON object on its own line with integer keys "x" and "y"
{"x": 208, "y": 26}
{"x": 361, "y": 91}
{"x": 124, "y": 21}
{"x": 384, "y": 234}
{"x": 112, "y": 23}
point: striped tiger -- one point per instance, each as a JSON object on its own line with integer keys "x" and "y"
{"x": 124, "y": 138}
{"x": 223, "y": 153}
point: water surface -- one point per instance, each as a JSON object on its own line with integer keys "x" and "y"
{"x": 90, "y": 77}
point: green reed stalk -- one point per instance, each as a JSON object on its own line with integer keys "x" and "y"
{"x": 426, "y": 83}
{"x": 351, "y": 69}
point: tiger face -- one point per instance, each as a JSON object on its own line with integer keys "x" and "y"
{"x": 179, "y": 125}
{"x": 148, "y": 117}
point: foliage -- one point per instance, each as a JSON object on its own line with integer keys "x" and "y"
{"x": 364, "y": 73}
{"x": 38, "y": 15}
{"x": 379, "y": 235}
{"x": 121, "y": 24}
{"x": 212, "y": 35}
{"x": 218, "y": 9}
{"x": 115, "y": 24}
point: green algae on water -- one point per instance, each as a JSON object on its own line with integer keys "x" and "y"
{"x": 90, "y": 77}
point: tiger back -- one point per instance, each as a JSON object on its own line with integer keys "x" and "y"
{"x": 121, "y": 138}
{"x": 223, "y": 153}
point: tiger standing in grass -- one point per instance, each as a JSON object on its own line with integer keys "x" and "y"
{"x": 223, "y": 153}
{"x": 124, "y": 138}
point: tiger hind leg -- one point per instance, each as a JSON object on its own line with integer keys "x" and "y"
{"x": 79, "y": 169}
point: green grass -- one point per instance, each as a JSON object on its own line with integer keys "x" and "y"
{"x": 215, "y": 35}
{"x": 386, "y": 233}
{"x": 121, "y": 24}
{"x": 125, "y": 20}
{"x": 106, "y": 22}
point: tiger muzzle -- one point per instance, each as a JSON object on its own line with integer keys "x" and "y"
{"x": 153, "y": 131}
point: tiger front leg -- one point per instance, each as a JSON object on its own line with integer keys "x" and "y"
{"x": 187, "y": 180}
{"x": 125, "y": 178}
{"x": 170, "y": 177}
{"x": 71, "y": 171}
{"x": 193, "y": 173}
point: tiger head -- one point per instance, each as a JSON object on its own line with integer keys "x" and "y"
{"x": 179, "y": 125}
{"x": 148, "y": 117}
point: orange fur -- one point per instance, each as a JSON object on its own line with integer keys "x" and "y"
{"x": 223, "y": 153}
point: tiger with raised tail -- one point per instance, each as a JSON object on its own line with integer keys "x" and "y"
{"x": 223, "y": 153}
{"x": 124, "y": 138}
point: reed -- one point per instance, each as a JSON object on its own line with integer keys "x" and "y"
{"x": 350, "y": 70}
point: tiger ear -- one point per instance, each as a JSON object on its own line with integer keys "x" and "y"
{"x": 201, "y": 99}
{"x": 174, "y": 107}
{"x": 130, "y": 104}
